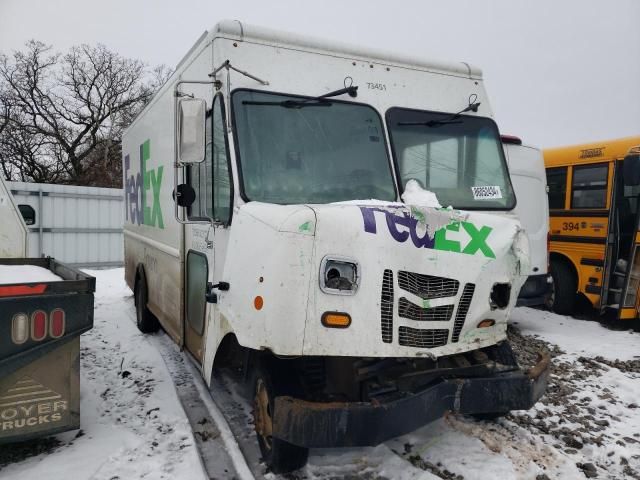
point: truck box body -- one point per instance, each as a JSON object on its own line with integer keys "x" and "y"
{"x": 526, "y": 167}
{"x": 282, "y": 261}
{"x": 40, "y": 328}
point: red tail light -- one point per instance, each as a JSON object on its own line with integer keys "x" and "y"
{"x": 38, "y": 325}
{"x": 56, "y": 323}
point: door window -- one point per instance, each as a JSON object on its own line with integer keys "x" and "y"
{"x": 197, "y": 273}
{"x": 212, "y": 179}
{"x": 200, "y": 179}
{"x": 222, "y": 180}
{"x": 589, "y": 186}
{"x": 557, "y": 183}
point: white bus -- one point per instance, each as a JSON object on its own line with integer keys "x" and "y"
{"x": 266, "y": 231}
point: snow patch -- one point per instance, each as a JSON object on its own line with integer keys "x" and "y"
{"x": 26, "y": 274}
{"x": 414, "y": 194}
{"x": 581, "y": 337}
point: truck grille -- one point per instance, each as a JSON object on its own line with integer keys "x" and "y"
{"x": 427, "y": 286}
{"x": 463, "y": 308}
{"x": 407, "y": 309}
{"x": 386, "y": 306}
{"x": 415, "y": 337}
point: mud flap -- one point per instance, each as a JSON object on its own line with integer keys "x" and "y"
{"x": 43, "y": 397}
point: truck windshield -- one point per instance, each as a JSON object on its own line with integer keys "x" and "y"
{"x": 291, "y": 152}
{"x": 459, "y": 158}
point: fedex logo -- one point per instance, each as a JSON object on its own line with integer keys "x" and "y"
{"x": 138, "y": 209}
{"x": 402, "y": 227}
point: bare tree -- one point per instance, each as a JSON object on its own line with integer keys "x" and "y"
{"x": 63, "y": 115}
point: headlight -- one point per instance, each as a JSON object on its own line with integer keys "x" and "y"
{"x": 339, "y": 276}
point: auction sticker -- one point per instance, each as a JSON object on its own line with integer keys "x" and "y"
{"x": 486, "y": 193}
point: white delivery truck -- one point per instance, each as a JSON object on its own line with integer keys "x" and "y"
{"x": 265, "y": 230}
{"x": 529, "y": 179}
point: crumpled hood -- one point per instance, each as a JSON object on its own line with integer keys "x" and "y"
{"x": 399, "y": 249}
{"x": 276, "y": 251}
{"x": 484, "y": 236}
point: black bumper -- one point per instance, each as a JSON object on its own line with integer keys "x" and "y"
{"x": 344, "y": 424}
{"x": 535, "y": 291}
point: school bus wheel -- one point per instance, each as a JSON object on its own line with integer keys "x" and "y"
{"x": 564, "y": 288}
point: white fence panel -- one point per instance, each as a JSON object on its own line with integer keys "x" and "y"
{"x": 81, "y": 226}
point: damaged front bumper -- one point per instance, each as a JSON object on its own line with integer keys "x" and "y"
{"x": 350, "y": 424}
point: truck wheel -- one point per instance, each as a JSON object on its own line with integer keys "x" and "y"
{"x": 563, "y": 288}
{"x": 280, "y": 456}
{"x": 145, "y": 320}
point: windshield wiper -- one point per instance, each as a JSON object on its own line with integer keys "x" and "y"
{"x": 320, "y": 101}
{"x": 455, "y": 118}
{"x": 432, "y": 123}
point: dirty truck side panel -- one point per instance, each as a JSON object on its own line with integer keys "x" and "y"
{"x": 153, "y": 238}
{"x": 43, "y": 397}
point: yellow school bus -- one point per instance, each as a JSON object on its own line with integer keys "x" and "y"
{"x": 594, "y": 231}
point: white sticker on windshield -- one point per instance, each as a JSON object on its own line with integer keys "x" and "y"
{"x": 486, "y": 193}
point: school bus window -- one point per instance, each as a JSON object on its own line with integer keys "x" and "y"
{"x": 557, "y": 183}
{"x": 589, "y": 189}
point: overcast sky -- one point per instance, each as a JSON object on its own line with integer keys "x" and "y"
{"x": 556, "y": 71}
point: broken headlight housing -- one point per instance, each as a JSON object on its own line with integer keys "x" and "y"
{"x": 339, "y": 275}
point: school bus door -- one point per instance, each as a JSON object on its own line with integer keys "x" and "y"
{"x": 630, "y": 300}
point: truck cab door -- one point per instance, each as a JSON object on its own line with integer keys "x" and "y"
{"x": 205, "y": 244}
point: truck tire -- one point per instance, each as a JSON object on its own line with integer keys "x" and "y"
{"x": 279, "y": 456}
{"x": 564, "y": 287}
{"x": 145, "y": 320}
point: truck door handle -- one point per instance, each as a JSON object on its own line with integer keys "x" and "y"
{"x": 210, "y": 295}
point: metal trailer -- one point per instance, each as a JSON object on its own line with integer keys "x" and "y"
{"x": 40, "y": 328}
{"x": 80, "y": 226}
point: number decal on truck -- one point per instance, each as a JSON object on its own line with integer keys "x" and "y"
{"x": 488, "y": 192}
{"x": 376, "y": 86}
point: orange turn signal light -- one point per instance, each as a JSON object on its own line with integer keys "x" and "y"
{"x": 336, "y": 320}
{"x": 486, "y": 323}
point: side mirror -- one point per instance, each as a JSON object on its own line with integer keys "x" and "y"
{"x": 631, "y": 169}
{"x": 191, "y": 130}
{"x": 186, "y": 195}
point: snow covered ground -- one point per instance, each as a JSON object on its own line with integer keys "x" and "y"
{"x": 133, "y": 426}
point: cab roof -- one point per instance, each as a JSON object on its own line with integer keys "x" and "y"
{"x": 590, "y": 152}
{"x": 237, "y": 30}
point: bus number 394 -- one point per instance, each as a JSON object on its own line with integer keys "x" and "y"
{"x": 570, "y": 226}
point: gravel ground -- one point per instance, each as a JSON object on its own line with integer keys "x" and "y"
{"x": 578, "y": 413}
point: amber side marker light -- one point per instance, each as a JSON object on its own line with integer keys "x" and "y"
{"x": 486, "y": 323}
{"x": 258, "y": 302}
{"x": 336, "y": 320}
